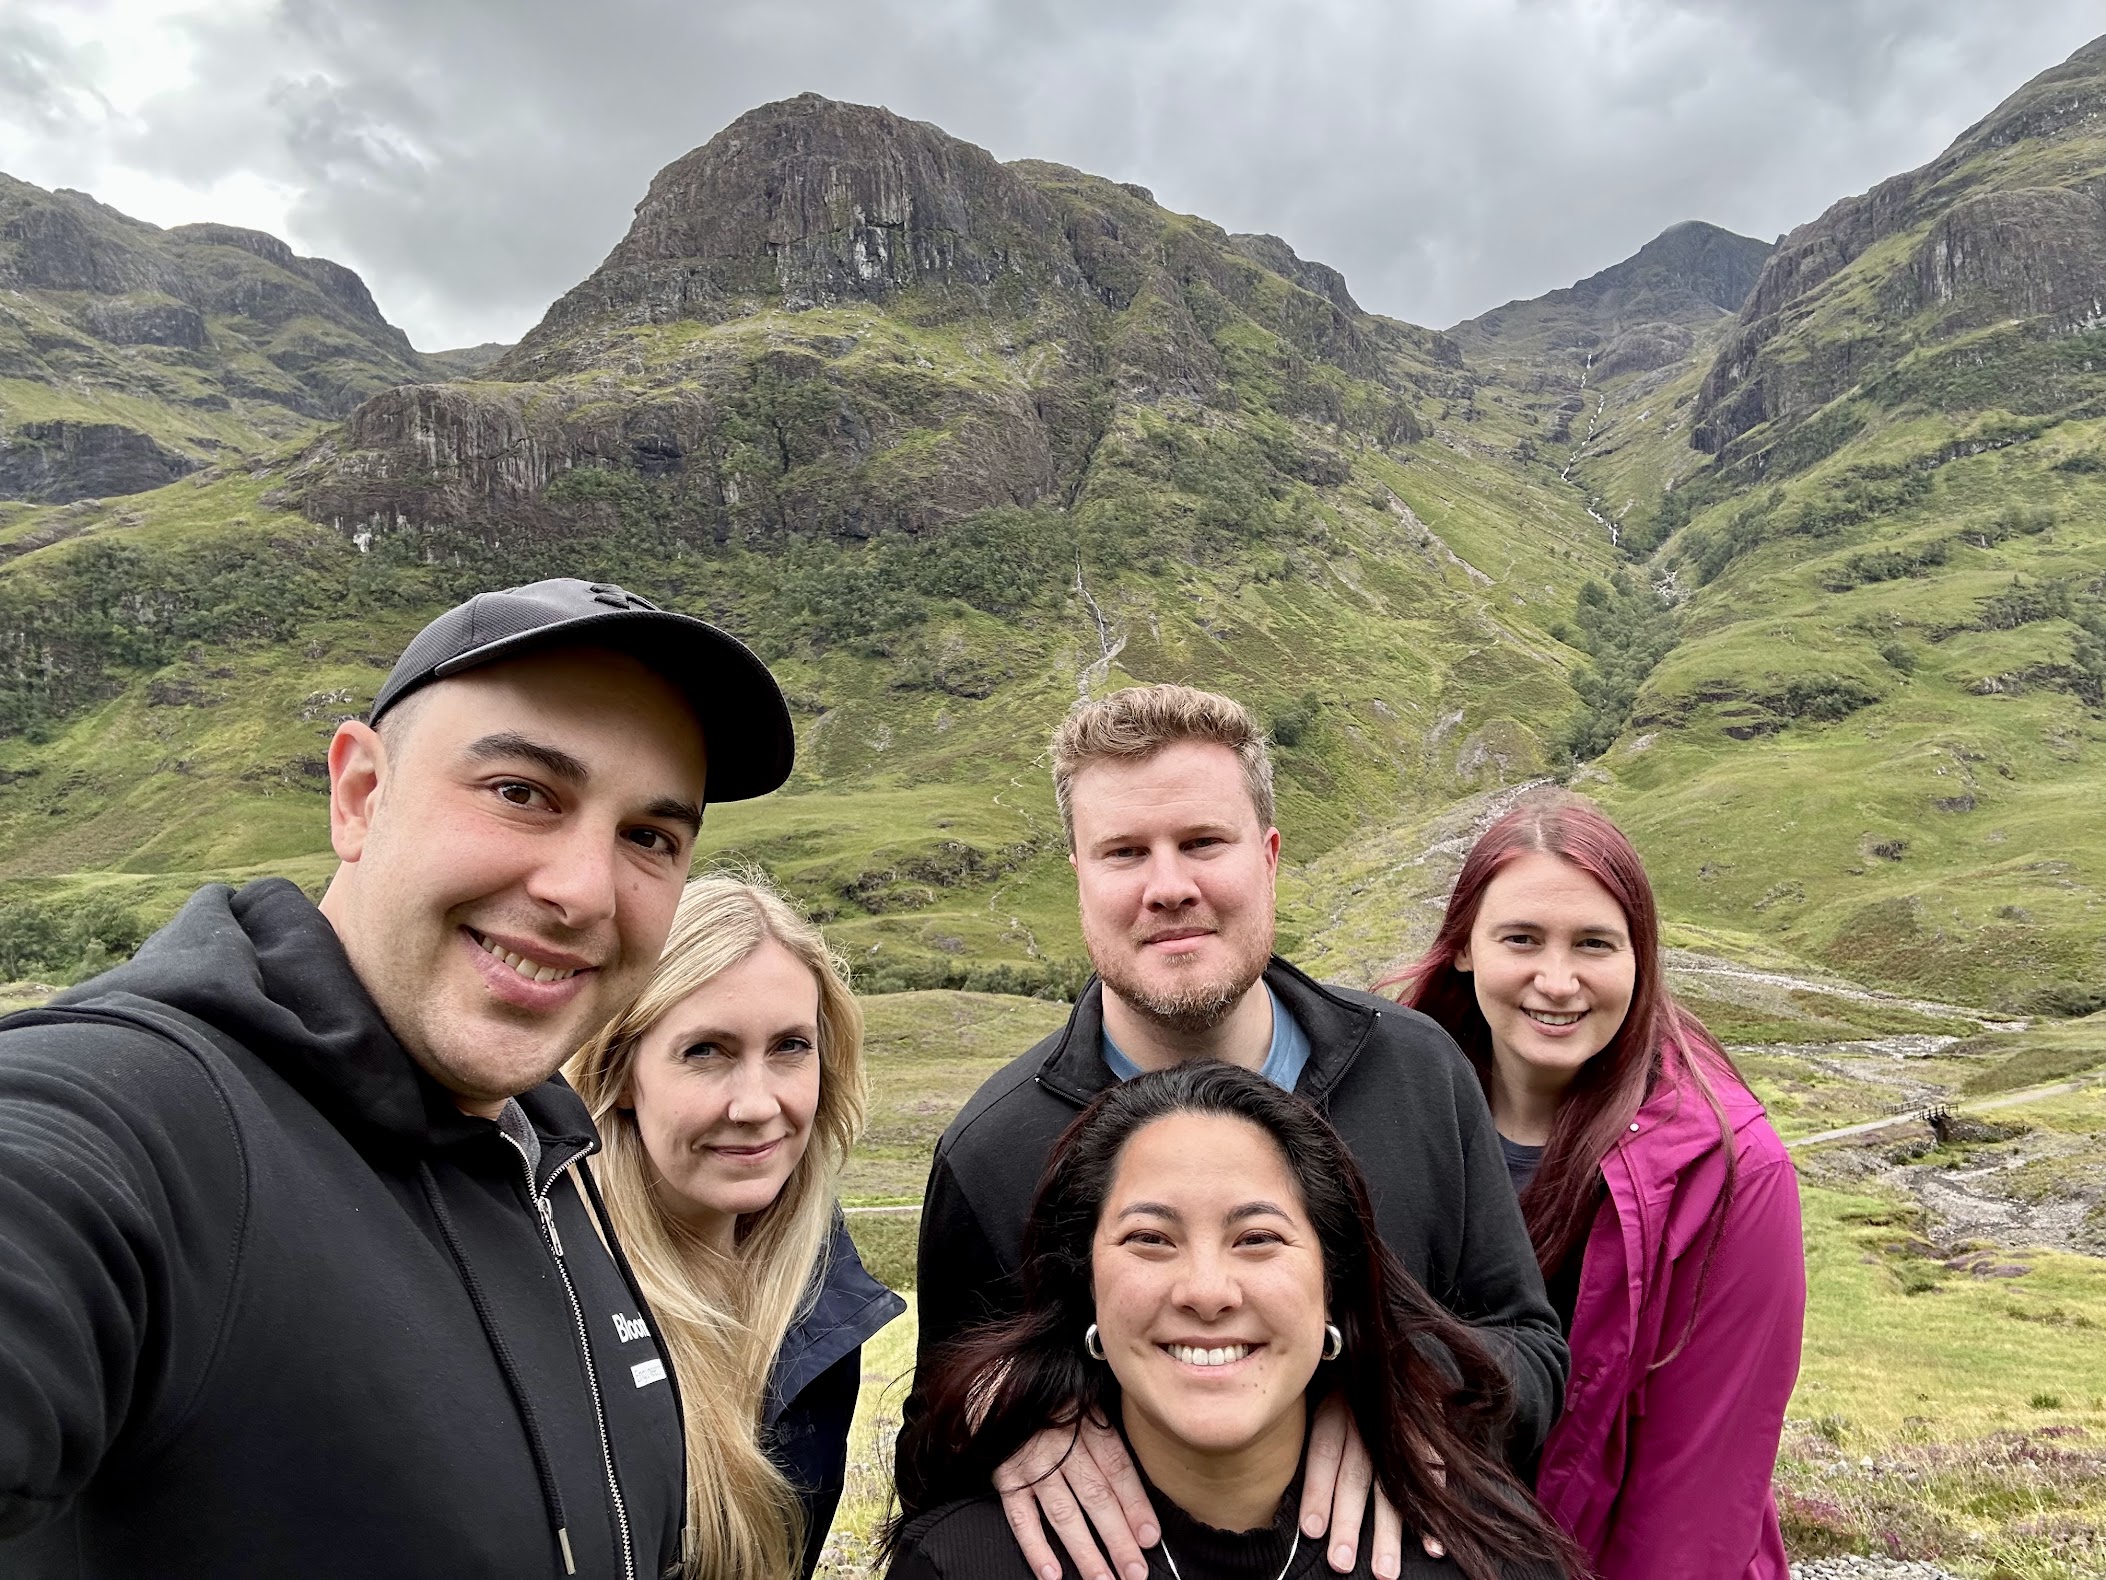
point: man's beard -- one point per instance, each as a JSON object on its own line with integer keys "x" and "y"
{"x": 1193, "y": 1008}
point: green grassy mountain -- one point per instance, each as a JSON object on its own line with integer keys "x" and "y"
{"x": 131, "y": 355}
{"x": 953, "y": 441}
{"x": 1605, "y": 372}
{"x": 1888, "y": 585}
{"x": 948, "y": 440}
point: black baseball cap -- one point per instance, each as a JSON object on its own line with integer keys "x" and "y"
{"x": 745, "y": 722}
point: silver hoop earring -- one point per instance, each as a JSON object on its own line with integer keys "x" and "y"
{"x": 1334, "y": 1342}
{"x": 1092, "y": 1346}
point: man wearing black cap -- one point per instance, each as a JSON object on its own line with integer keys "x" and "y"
{"x": 295, "y": 1278}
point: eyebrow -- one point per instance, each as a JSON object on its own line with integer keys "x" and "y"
{"x": 1156, "y": 1209}
{"x": 686, "y": 813}
{"x": 1190, "y": 831}
{"x": 511, "y": 746}
{"x": 1537, "y": 927}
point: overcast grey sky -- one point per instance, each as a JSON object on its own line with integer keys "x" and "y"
{"x": 475, "y": 158}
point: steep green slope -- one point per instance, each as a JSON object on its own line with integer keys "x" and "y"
{"x": 132, "y": 355}
{"x": 1893, "y": 646}
{"x": 1605, "y": 372}
{"x": 950, "y": 441}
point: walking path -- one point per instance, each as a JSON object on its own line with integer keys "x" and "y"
{"x": 1920, "y": 1115}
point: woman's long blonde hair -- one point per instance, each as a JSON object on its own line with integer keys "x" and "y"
{"x": 725, "y": 1317}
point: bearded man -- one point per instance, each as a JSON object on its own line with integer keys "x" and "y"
{"x": 1167, "y": 798}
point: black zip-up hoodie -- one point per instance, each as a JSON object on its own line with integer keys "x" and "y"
{"x": 271, "y": 1305}
{"x": 1394, "y": 1086}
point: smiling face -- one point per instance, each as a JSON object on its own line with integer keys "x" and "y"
{"x": 1551, "y": 960}
{"x": 725, "y": 1085}
{"x": 1210, "y": 1301}
{"x": 1175, "y": 878}
{"x": 512, "y": 852}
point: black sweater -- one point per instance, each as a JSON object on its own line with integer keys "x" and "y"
{"x": 972, "y": 1541}
{"x": 270, "y": 1304}
{"x": 1398, "y": 1091}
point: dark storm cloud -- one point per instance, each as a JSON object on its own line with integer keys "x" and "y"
{"x": 474, "y": 159}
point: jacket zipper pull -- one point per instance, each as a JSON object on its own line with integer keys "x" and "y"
{"x": 548, "y": 1224}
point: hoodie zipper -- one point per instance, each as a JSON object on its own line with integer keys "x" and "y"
{"x": 547, "y": 1214}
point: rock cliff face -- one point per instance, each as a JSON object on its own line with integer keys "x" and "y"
{"x": 212, "y": 337}
{"x": 831, "y": 321}
{"x": 1269, "y": 252}
{"x": 812, "y": 202}
{"x": 2005, "y": 228}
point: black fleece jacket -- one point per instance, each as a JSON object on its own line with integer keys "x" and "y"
{"x": 1391, "y": 1082}
{"x": 271, "y": 1305}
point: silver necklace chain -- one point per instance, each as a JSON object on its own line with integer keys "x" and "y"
{"x": 1293, "y": 1548}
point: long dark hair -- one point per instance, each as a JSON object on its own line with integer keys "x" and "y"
{"x": 999, "y": 1385}
{"x": 1560, "y": 1202}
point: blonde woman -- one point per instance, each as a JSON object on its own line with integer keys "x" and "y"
{"x": 727, "y": 1099}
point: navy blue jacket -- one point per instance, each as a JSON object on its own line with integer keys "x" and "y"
{"x": 812, "y": 1386}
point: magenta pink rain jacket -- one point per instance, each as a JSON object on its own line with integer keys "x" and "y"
{"x": 1665, "y": 1474}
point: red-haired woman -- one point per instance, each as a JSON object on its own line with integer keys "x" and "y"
{"x": 1663, "y": 1208}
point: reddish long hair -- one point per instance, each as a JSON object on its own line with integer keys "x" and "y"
{"x": 1560, "y": 1202}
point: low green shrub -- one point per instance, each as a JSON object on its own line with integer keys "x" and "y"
{"x": 60, "y": 942}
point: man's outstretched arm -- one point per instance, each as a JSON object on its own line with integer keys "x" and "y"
{"x": 89, "y": 1249}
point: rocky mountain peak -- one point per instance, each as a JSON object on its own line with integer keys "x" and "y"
{"x": 1692, "y": 258}
{"x": 810, "y": 201}
{"x": 1641, "y": 313}
{"x": 260, "y": 243}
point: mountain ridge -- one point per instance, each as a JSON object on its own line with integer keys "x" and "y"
{"x": 1076, "y": 294}
{"x": 2005, "y": 227}
{"x": 952, "y": 441}
{"x": 132, "y": 355}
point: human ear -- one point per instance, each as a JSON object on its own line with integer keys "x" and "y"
{"x": 1462, "y": 960}
{"x": 358, "y": 763}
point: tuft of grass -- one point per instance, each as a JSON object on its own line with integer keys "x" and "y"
{"x": 2043, "y": 1053}
{"x": 866, "y": 1499}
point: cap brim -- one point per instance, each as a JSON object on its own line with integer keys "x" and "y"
{"x": 746, "y": 726}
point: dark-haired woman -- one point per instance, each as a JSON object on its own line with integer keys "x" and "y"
{"x": 1201, "y": 1265}
{"x": 1663, "y": 1208}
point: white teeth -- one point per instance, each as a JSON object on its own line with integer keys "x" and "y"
{"x": 1192, "y": 1356}
{"x": 1553, "y": 1018}
{"x": 528, "y": 967}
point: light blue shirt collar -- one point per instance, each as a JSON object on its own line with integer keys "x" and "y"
{"x": 1284, "y": 1060}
